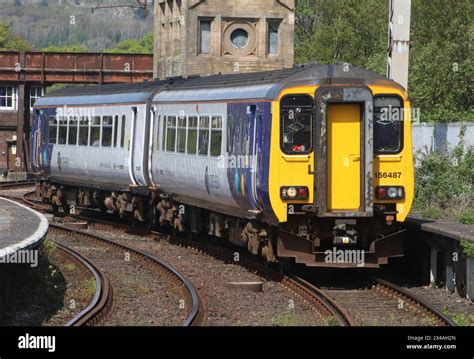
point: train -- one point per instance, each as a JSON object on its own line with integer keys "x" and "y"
{"x": 301, "y": 165}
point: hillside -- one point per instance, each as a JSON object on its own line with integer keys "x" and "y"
{"x": 64, "y": 22}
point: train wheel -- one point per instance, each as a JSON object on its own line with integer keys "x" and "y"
{"x": 150, "y": 218}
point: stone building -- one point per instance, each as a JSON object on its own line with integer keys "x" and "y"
{"x": 203, "y": 37}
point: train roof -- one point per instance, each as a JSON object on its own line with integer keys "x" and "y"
{"x": 257, "y": 85}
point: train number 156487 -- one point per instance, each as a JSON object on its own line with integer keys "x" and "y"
{"x": 388, "y": 175}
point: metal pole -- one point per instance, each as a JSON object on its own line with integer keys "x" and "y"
{"x": 399, "y": 41}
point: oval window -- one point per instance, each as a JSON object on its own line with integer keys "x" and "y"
{"x": 239, "y": 38}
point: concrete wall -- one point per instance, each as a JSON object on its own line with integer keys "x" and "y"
{"x": 441, "y": 136}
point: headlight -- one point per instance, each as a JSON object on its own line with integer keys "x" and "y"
{"x": 392, "y": 192}
{"x": 294, "y": 192}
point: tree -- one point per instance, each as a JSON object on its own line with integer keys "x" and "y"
{"x": 339, "y": 30}
{"x": 67, "y": 48}
{"x": 10, "y": 41}
{"x": 142, "y": 46}
{"x": 441, "y": 68}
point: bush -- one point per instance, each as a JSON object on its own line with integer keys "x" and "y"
{"x": 444, "y": 183}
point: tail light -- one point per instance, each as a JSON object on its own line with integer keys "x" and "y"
{"x": 294, "y": 192}
{"x": 390, "y": 192}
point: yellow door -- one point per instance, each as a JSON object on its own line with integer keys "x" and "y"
{"x": 344, "y": 123}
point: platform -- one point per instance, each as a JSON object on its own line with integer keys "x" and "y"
{"x": 21, "y": 228}
{"x": 447, "y": 262}
{"x": 446, "y": 227}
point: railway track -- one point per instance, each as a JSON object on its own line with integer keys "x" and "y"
{"x": 344, "y": 305}
{"x": 384, "y": 303}
{"x": 319, "y": 302}
{"x": 424, "y": 307}
{"x": 195, "y": 312}
{"x": 18, "y": 184}
{"x": 103, "y": 296}
{"x": 192, "y": 303}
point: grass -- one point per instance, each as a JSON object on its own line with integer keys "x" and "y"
{"x": 462, "y": 319}
{"x": 429, "y": 321}
{"x": 288, "y": 319}
{"x": 70, "y": 267}
{"x": 468, "y": 248}
{"x": 467, "y": 217}
{"x": 49, "y": 247}
{"x": 330, "y": 321}
{"x": 432, "y": 213}
{"x": 88, "y": 286}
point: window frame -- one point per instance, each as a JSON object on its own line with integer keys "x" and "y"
{"x": 221, "y": 130}
{"x": 123, "y": 130}
{"x": 199, "y": 134}
{"x": 196, "y": 116}
{"x": 55, "y": 118}
{"x": 61, "y": 125}
{"x": 82, "y": 126}
{"x": 178, "y": 128}
{"x": 312, "y": 128}
{"x": 202, "y": 20}
{"x": 36, "y": 97}
{"x": 102, "y": 128}
{"x": 14, "y": 98}
{"x": 91, "y": 127}
{"x": 69, "y": 120}
{"x": 270, "y": 24}
{"x": 165, "y": 148}
{"x": 402, "y": 126}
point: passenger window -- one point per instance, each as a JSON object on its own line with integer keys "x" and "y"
{"x": 230, "y": 140}
{"x": 203, "y": 147}
{"x": 122, "y": 134}
{"x": 83, "y": 131}
{"x": 171, "y": 134}
{"x": 158, "y": 132}
{"x": 388, "y": 129}
{"x": 95, "y": 132}
{"x": 72, "y": 134}
{"x": 182, "y": 134}
{"x": 62, "y": 130}
{"x": 115, "y": 144}
{"x": 107, "y": 125}
{"x": 192, "y": 135}
{"x": 53, "y": 130}
{"x": 154, "y": 122}
{"x": 216, "y": 136}
{"x": 296, "y": 124}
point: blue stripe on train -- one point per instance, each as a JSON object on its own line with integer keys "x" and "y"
{"x": 248, "y": 121}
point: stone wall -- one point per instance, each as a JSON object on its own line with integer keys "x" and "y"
{"x": 178, "y": 33}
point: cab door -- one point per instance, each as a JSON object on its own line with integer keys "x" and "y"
{"x": 344, "y": 153}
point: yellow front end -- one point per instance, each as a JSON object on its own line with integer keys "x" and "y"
{"x": 343, "y": 161}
